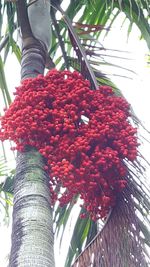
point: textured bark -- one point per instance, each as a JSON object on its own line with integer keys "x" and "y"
{"x": 33, "y": 61}
{"x": 32, "y": 234}
{"x": 119, "y": 243}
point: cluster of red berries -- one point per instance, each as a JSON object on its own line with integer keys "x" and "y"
{"x": 84, "y": 135}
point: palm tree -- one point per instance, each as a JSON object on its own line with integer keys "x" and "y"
{"x": 30, "y": 223}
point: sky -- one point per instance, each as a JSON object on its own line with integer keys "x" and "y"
{"x": 136, "y": 90}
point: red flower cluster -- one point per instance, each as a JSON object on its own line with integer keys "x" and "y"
{"x": 84, "y": 136}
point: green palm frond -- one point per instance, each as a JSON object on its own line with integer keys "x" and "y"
{"x": 102, "y": 12}
{"x": 84, "y": 230}
{"x": 3, "y": 85}
{"x": 10, "y": 11}
{"x": 107, "y": 11}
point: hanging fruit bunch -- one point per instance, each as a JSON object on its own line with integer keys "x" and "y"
{"x": 84, "y": 135}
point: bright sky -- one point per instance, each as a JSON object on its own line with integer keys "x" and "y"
{"x": 136, "y": 91}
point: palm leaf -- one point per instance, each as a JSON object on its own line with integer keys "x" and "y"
{"x": 83, "y": 228}
{"x": 10, "y": 10}
{"x": 135, "y": 15}
{"x": 101, "y": 13}
{"x": 15, "y": 49}
{"x": 3, "y": 85}
{"x": 84, "y": 45}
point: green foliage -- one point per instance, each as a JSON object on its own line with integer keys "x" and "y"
{"x": 3, "y": 85}
{"x": 102, "y": 12}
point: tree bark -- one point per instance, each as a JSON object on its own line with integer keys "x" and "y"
{"x": 32, "y": 234}
{"x": 32, "y": 229}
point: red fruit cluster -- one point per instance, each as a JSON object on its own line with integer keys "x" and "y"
{"x": 84, "y": 135}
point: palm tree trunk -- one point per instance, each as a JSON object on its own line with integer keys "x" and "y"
{"x": 32, "y": 233}
{"x": 32, "y": 229}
